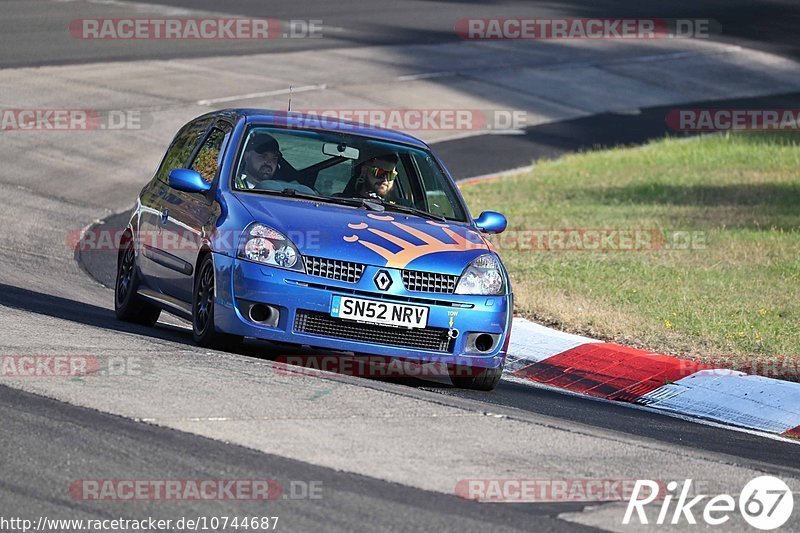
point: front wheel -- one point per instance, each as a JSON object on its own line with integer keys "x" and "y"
{"x": 475, "y": 378}
{"x": 128, "y": 305}
{"x": 203, "y": 329}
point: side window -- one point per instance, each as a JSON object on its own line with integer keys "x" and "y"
{"x": 207, "y": 161}
{"x": 403, "y": 191}
{"x": 440, "y": 200}
{"x": 182, "y": 147}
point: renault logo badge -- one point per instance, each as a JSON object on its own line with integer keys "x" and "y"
{"x": 382, "y": 280}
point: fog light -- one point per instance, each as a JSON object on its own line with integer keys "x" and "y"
{"x": 262, "y": 314}
{"x": 482, "y": 342}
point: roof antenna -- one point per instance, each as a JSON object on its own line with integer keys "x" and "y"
{"x": 290, "y": 100}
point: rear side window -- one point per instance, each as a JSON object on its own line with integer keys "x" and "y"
{"x": 208, "y": 158}
{"x": 182, "y": 147}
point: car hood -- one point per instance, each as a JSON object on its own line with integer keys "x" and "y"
{"x": 390, "y": 239}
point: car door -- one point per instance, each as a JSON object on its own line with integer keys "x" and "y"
{"x": 158, "y": 261}
{"x": 188, "y": 218}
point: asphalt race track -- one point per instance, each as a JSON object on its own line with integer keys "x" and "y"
{"x": 30, "y": 36}
{"x": 386, "y": 455}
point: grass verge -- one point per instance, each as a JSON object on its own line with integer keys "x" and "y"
{"x": 716, "y": 273}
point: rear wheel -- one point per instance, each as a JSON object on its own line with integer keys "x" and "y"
{"x": 128, "y": 305}
{"x": 203, "y": 329}
{"x": 475, "y": 378}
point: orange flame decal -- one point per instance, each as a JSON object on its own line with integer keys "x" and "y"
{"x": 380, "y": 217}
{"x": 410, "y": 251}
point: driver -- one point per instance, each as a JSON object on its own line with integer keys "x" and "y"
{"x": 377, "y": 176}
{"x": 261, "y": 162}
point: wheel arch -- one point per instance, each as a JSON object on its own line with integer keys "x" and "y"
{"x": 205, "y": 250}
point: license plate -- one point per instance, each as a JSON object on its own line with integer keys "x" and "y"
{"x": 377, "y": 312}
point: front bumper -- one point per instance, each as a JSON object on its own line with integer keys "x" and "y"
{"x": 298, "y": 295}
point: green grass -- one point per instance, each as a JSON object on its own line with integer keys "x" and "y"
{"x": 735, "y": 294}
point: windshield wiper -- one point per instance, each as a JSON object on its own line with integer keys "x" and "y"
{"x": 411, "y": 210}
{"x": 366, "y": 203}
{"x": 371, "y": 204}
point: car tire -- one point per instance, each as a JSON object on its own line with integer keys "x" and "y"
{"x": 128, "y": 305}
{"x": 475, "y": 378}
{"x": 203, "y": 329}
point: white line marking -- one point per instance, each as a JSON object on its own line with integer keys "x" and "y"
{"x": 425, "y": 76}
{"x": 263, "y": 94}
{"x": 320, "y": 87}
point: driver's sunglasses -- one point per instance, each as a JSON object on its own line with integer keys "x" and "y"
{"x": 382, "y": 173}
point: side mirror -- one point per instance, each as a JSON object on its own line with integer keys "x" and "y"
{"x": 491, "y": 222}
{"x": 187, "y": 180}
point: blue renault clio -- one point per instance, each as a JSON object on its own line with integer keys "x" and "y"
{"x": 317, "y": 232}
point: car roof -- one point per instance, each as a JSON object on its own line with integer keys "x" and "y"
{"x": 309, "y": 121}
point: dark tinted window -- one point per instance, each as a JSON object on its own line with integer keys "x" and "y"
{"x": 208, "y": 161}
{"x": 182, "y": 147}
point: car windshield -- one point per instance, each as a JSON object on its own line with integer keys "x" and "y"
{"x": 336, "y": 165}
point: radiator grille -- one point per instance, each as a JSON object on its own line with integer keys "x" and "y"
{"x": 334, "y": 269}
{"x": 316, "y": 323}
{"x": 416, "y": 281}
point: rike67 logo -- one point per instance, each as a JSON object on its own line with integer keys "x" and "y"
{"x": 765, "y": 503}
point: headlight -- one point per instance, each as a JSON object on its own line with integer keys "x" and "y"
{"x": 482, "y": 276}
{"x": 262, "y": 244}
